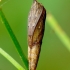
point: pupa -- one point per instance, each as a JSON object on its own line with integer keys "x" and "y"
{"x": 36, "y": 27}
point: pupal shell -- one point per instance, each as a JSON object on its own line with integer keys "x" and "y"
{"x": 36, "y": 26}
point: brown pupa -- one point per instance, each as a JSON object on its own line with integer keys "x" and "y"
{"x": 36, "y": 27}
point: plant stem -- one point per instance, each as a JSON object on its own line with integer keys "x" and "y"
{"x": 8, "y": 57}
{"x": 58, "y": 30}
{"x": 17, "y": 45}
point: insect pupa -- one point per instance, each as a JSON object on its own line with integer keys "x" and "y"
{"x": 36, "y": 27}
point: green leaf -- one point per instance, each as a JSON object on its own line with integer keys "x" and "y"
{"x": 9, "y": 58}
{"x": 17, "y": 45}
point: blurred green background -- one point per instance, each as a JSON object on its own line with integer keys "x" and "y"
{"x": 54, "y": 55}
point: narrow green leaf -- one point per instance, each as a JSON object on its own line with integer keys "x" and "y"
{"x": 9, "y": 58}
{"x": 17, "y": 45}
{"x": 58, "y": 30}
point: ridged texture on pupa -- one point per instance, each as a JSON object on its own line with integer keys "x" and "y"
{"x": 36, "y": 26}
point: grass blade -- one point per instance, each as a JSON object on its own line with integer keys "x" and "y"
{"x": 58, "y": 30}
{"x": 17, "y": 45}
{"x": 9, "y": 58}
